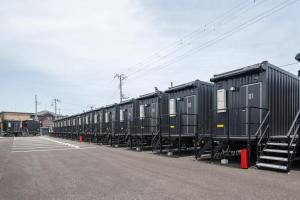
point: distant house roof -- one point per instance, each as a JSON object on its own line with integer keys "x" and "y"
{"x": 45, "y": 112}
{"x": 3, "y": 112}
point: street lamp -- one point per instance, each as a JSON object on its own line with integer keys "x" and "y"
{"x": 298, "y": 59}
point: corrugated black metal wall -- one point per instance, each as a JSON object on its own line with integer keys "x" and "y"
{"x": 280, "y": 92}
{"x": 204, "y": 97}
{"x": 132, "y": 107}
{"x": 284, "y": 93}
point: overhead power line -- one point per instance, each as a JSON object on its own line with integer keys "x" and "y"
{"x": 197, "y": 34}
{"x": 290, "y": 64}
{"x": 236, "y": 29}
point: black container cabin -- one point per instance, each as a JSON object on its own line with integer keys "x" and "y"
{"x": 128, "y": 112}
{"x": 89, "y": 135}
{"x": 110, "y": 124}
{"x": 148, "y": 123}
{"x": 80, "y": 119}
{"x": 68, "y": 130}
{"x": 101, "y": 136}
{"x": 12, "y": 127}
{"x": 58, "y": 128}
{"x": 30, "y": 127}
{"x": 253, "y": 106}
{"x": 74, "y": 127}
{"x": 96, "y": 126}
{"x": 189, "y": 106}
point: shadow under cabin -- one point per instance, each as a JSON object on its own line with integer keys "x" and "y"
{"x": 148, "y": 123}
{"x": 189, "y": 107}
{"x": 257, "y": 108}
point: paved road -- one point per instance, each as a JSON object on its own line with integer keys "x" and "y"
{"x": 48, "y": 168}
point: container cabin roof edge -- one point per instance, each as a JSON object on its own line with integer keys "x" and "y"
{"x": 110, "y": 105}
{"x": 126, "y": 101}
{"x": 260, "y": 67}
{"x": 78, "y": 114}
{"x": 188, "y": 85}
{"x": 149, "y": 95}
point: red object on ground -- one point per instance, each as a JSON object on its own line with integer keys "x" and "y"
{"x": 244, "y": 158}
{"x": 80, "y": 138}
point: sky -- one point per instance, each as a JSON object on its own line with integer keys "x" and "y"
{"x": 71, "y": 49}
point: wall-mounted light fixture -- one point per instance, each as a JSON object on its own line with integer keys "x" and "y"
{"x": 232, "y": 89}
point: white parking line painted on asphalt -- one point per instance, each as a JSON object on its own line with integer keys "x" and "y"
{"x": 41, "y": 147}
{"x": 44, "y": 144}
{"x": 37, "y": 143}
{"x": 62, "y": 149}
{"x": 59, "y": 142}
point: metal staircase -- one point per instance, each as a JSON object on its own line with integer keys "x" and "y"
{"x": 279, "y": 152}
{"x": 156, "y": 140}
{"x": 203, "y": 147}
{"x": 208, "y": 148}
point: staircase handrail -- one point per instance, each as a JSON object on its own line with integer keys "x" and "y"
{"x": 293, "y": 138}
{"x": 294, "y": 123}
{"x": 261, "y": 125}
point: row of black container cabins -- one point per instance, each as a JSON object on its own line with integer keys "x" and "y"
{"x": 241, "y": 109}
{"x": 145, "y": 122}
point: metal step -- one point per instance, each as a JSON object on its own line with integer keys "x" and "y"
{"x": 279, "y": 144}
{"x": 282, "y": 137}
{"x": 277, "y": 151}
{"x": 272, "y": 166}
{"x": 274, "y": 158}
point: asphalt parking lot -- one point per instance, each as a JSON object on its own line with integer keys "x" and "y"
{"x": 50, "y": 168}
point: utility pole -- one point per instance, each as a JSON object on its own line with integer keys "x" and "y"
{"x": 35, "y": 103}
{"x": 121, "y": 78}
{"x": 55, "y": 101}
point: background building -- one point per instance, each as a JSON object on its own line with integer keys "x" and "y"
{"x": 10, "y": 117}
{"x": 46, "y": 119}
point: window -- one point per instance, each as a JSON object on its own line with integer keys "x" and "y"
{"x": 95, "y": 118}
{"x": 172, "y": 107}
{"x": 101, "y": 117}
{"x": 142, "y": 111}
{"x": 221, "y": 100}
{"x": 106, "y": 117}
{"x": 113, "y": 115}
{"x": 121, "y": 115}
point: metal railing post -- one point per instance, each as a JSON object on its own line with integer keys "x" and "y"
{"x": 196, "y": 137}
{"x": 248, "y": 123}
{"x": 180, "y": 129}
